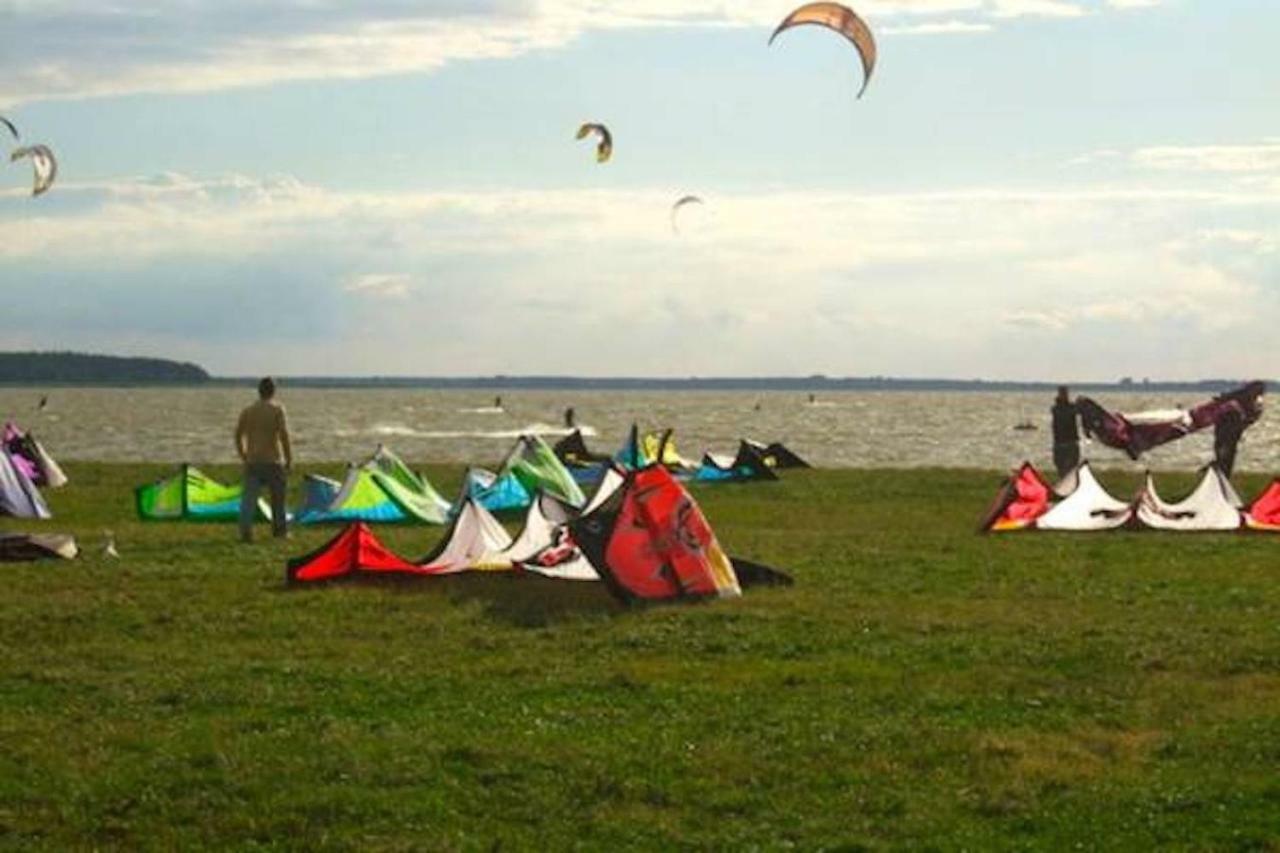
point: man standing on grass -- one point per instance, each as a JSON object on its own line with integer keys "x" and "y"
{"x": 1066, "y": 433}
{"x": 262, "y": 441}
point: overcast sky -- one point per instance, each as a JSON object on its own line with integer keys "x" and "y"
{"x": 1057, "y": 189}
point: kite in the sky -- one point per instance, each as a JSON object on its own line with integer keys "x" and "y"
{"x": 12, "y": 128}
{"x": 43, "y": 163}
{"x": 604, "y": 150}
{"x": 675, "y": 209}
{"x": 844, "y": 21}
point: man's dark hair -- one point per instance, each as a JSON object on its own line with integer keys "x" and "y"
{"x": 267, "y": 388}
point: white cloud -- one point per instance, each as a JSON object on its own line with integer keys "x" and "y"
{"x": 792, "y": 281}
{"x": 1239, "y": 159}
{"x": 79, "y": 48}
{"x": 1094, "y": 158}
{"x": 950, "y": 27}
{"x": 1037, "y": 8}
{"x": 380, "y": 285}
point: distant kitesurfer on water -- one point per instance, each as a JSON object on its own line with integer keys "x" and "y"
{"x": 44, "y": 401}
{"x": 569, "y": 418}
{"x": 1066, "y": 432}
{"x": 262, "y": 442}
{"x": 813, "y": 399}
{"x": 497, "y": 402}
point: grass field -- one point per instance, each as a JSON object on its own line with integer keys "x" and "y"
{"x": 920, "y": 685}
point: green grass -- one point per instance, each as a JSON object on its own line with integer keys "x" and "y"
{"x": 920, "y": 685}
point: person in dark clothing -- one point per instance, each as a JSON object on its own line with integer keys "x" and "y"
{"x": 1226, "y": 438}
{"x": 569, "y": 418}
{"x": 1066, "y": 433}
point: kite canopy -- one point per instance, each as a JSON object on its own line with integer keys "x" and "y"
{"x": 652, "y": 448}
{"x": 494, "y": 492}
{"x": 352, "y": 552}
{"x": 475, "y": 540}
{"x": 536, "y": 466}
{"x": 1022, "y": 499}
{"x": 681, "y": 202}
{"x": 12, "y": 129}
{"x": 572, "y": 451}
{"x": 44, "y": 165}
{"x": 1136, "y": 434}
{"x": 19, "y": 497}
{"x": 1264, "y": 513}
{"x": 604, "y": 148}
{"x": 546, "y": 515}
{"x": 660, "y": 449}
{"x": 1212, "y": 505}
{"x": 406, "y": 486}
{"x": 383, "y": 489}
{"x": 561, "y": 558}
{"x": 650, "y": 542}
{"x": 777, "y": 455}
{"x": 842, "y": 20}
{"x": 1087, "y": 507}
{"x": 30, "y": 456}
{"x": 25, "y": 547}
{"x": 747, "y": 464}
{"x": 191, "y": 495}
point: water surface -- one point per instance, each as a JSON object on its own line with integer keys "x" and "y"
{"x": 853, "y": 429}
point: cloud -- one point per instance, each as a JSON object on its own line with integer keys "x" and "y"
{"x": 380, "y": 285}
{"x": 584, "y": 281}
{"x": 1237, "y": 159}
{"x": 1037, "y": 8}
{"x": 950, "y": 27}
{"x": 85, "y": 48}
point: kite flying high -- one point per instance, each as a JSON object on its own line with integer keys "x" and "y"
{"x": 842, "y": 20}
{"x": 43, "y": 163}
{"x": 604, "y": 150}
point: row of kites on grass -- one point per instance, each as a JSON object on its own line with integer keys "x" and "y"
{"x": 1079, "y": 502}
{"x": 640, "y": 531}
{"x": 832, "y": 16}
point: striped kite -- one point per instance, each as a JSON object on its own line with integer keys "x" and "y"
{"x": 843, "y": 20}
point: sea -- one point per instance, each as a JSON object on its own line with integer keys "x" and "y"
{"x": 862, "y": 429}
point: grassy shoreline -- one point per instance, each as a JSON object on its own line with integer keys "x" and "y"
{"x": 920, "y": 685}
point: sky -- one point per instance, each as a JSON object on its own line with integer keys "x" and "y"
{"x": 1029, "y": 189}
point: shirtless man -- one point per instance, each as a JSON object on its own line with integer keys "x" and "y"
{"x": 262, "y": 442}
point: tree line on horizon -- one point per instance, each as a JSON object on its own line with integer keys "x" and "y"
{"x": 26, "y": 368}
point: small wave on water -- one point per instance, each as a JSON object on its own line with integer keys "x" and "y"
{"x": 483, "y": 410}
{"x": 401, "y": 431}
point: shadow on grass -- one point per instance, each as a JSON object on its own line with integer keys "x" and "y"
{"x": 521, "y": 600}
{"x": 529, "y": 601}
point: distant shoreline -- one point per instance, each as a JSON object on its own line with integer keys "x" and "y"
{"x": 810, "y": 385}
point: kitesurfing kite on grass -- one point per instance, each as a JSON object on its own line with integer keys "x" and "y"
{"x": 842, "y": 20}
